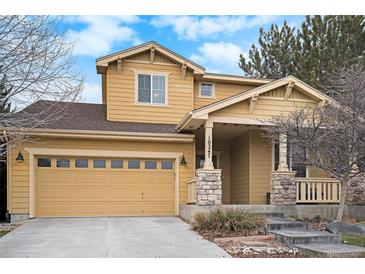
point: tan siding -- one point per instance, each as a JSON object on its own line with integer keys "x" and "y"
{"x": 222, "y": 90}
{"x": 224, "y": 149}
{"x": 260, "y": 164}
{"x": 265, "y": 108}
{"x": 318, "y": 173}
{"x": 121, "y": 98}
{"x": 19, "y": 181}
{"x": 240, "y": 155}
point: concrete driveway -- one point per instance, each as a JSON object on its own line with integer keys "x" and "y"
{"x": 107, "y": 237}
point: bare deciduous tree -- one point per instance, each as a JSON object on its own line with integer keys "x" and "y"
{"x": 36, "y": 63}
{"x": 330, "y": 137}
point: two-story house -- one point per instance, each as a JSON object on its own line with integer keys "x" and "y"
{"x": 167, "y": 133}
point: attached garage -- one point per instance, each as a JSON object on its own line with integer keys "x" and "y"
{"x": 94, "y": 186}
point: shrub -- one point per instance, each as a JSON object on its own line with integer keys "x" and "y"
{"x": 224, "y": 220}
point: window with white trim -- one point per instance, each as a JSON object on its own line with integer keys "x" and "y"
{"x": 206, "y": 90}
{"x": 151, "y": 89}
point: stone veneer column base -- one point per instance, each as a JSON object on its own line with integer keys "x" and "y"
{"x": 18, "y": 217}
{"x": 283, "y": 189}
{"x": 356, "y": 191}
{"x": 208, "y": 187}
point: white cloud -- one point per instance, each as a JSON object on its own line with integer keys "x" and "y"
{"x": 218, "y": 55}
{"x": 101, "y": 32}
{"x": 193, "y": 28}
{"x": 91, "y": 93}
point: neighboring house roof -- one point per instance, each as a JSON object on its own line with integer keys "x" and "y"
{"x": 202, "y": 112}
{"x": 103, "y": 61}
{"x": 84, "y": 116}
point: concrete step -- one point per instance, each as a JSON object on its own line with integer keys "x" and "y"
{"x": 304, "y": 236}
{"x": 278, "y": 224}
{"x": 332, "y": 250}
{"x": 272, "y": 214}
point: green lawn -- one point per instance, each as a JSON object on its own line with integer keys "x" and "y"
{"x": 353, "y": 239}
{"x": 3, "y": 232}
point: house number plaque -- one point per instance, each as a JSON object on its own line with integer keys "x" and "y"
{"x": 209, "y": 147}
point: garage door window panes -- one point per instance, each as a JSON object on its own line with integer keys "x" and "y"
{"x": 150, "y": 164}
{"x": 63, "y": 163}
{"x": 99, "y": 163}
{"x": 44, "y": 162}
{"x": 117, "y": 164}
{"x": 166, "y": 165}
{"x": 134, "y": 164}
{"x": 81, "y": 163}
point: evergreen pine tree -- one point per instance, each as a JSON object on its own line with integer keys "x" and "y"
{"x": 322, "y": 45}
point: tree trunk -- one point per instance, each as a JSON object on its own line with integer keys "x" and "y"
{"x": 341, "y": 206}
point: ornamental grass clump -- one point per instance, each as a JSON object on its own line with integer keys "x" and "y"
{"x": 226, "y": 220}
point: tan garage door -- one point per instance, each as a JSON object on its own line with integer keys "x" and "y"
{"x": 103, "y": 187}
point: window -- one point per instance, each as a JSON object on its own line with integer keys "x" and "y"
{"x": 150, "y": 164}
{"x": 44, "y": 162}
{"x": 166, "y": 165}
{"x": 82, "y": 163}
{"x": 63, "y": 163}
{"x": 117, "y": 164}
{"x": 99, "y": 163}
{"x": 133, "y": 164}
{"x": 301, "y": 170}
{"x": 207, "y": 89}
{"x": 151, "y": 89}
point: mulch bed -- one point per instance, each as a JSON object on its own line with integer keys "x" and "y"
{"x": 256, "y": 249}
{"x": 255, "y": 246}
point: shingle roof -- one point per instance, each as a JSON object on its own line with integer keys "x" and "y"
{"x": 84, "y": 116}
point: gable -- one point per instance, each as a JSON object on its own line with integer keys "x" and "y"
{"x": 146, "y": 57}
{"x": 274, "y": 98}
{"x": 289, "y": 84}
{"x": 151, "y": 49}
{"x": 266, "y": 106}
{"x": 280, "y": 93}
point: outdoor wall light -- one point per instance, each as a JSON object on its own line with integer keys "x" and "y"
{"x": 183, "y": 161}
{"x": 20, "y": 157}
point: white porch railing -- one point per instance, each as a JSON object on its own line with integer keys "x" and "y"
{"x": 318, "y": 190}
{"x": 191, "y": 190}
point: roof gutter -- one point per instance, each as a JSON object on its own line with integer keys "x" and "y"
{"x": 112, "y": 135}
{"x": 184, "y": 120}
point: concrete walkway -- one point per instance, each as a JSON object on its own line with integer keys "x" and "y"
{"x": 107, "y": 237}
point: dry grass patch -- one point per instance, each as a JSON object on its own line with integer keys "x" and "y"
{"x": 223, "y": 222}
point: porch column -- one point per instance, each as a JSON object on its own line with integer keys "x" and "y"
{"x": 208, "y": 163}
{"x": 283, "y": 189}
{"x": 283, "y": 165}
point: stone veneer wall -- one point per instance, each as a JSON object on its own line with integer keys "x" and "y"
{"x": 208, "y": 187}
{"x": 356, "y": 191}
{"x": 283, "y": 190}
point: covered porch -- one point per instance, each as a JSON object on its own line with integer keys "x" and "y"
{"x": 236, "y": 164}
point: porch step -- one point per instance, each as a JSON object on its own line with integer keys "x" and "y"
{"x": 280, "y": 223}
{"x": 272, "y": 215}
{"x": 332, "y": 250}
{"x": 305, "y": 236}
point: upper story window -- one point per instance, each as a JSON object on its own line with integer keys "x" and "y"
{"x": 206, "y": 90}
{"x": 151, "y": 89}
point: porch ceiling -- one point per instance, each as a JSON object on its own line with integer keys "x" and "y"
{"x": 224, "y": 132}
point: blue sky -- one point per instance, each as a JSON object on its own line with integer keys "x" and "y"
{"x": 214, "y": 42}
